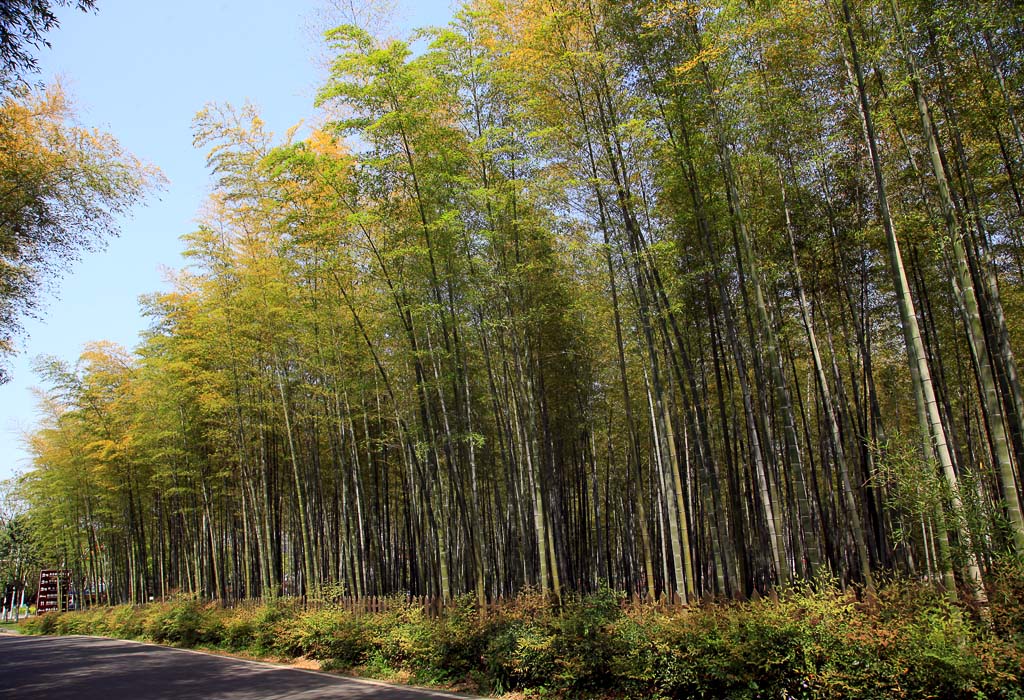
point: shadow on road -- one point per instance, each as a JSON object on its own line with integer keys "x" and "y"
{"x": 86, "y": 668}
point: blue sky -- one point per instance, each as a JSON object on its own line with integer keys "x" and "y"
{"x": 140, "y": 70}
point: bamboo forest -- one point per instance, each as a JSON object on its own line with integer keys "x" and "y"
{"x": 690, "y": 300}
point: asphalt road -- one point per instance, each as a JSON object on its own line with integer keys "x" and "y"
{"x": 89, "y": 668}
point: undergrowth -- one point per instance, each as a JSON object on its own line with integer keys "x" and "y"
{"x": 810, "y": 642}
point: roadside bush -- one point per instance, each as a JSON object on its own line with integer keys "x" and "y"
{"x": 404, "y": 639}
{"x": 691, "y": 655}
{"x": 519, "y": 648}
{"x": 86, "y": 622}
{"x": 813, "y": 642}
{"x": 239, "y": 631}
{"x": 458, "y": 641}
{"x": 522, "y": 655}
{"x": 939, "y": 651}
{"x": 128, "y": 622}
{"x": 329, "y": 635}
{"x": 270, "y": 628}
{"x": 40, "y": 624}
{"x": 184, "y": 622}
{"x": 585, "y": 643}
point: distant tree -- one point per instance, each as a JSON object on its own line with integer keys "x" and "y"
{"x": 18, "y": 548}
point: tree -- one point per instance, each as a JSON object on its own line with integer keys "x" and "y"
{"x": 23, "y": 27}
{"x": 19, "y": 550}
{"x": 62, "y": 187}
{"x": 581, "y": 292}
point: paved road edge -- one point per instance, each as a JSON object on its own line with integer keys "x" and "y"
{"x": 259, "y": 662}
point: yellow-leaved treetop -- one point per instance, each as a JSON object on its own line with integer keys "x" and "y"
{"x": 61, "y": 187}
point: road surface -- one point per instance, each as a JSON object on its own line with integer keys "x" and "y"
{"x": 90, "y": 668}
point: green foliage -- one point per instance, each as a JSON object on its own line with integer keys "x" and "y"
{"x": 40, "y": 624}
{"x": 127, "y": 622}
{"x": 240, "y": 629}
{"x": 25, "y": 26}
{"x": 426, "y": 310}
{"x": 585, "y": 644}
{"x": 1007, "y": 598}
{"x": 63, "y": 187}
{"x": 185, "y": 622}
{"x": 328, "y": 635}
{"x": 269, "y": 627}
{"x": 507, "y": 234}
{"x": 813, "y": 642}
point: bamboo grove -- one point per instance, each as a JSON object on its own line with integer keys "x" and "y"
{"x": 695, "y": 299}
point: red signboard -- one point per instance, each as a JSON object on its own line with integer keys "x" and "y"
{"x": 54, "y": 590}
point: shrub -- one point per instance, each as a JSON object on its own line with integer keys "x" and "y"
{"x": 812, "y": 642}
{"x": 270, "y": 622}
{"x": 403, "y": 638}
{"x": 585, "y": 644}
{"x": 184, "y": 622}
{"x": 40, "y": 624}
{"x": 1007, "y": 598}
{"x": 127, "y": 622}
{"x": 329, "y": 635}
{"x": 85, "y": 622}
{"x": 454, "y": 644}
{"x": 522, "y": 655}
{"x": 939, "y": 647}
{"x": 239, "y": 629}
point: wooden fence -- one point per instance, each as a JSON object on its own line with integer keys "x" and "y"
{"x": 435, "y": 607}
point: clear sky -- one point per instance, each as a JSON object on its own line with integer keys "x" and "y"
{"x": 140, "y": 69}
